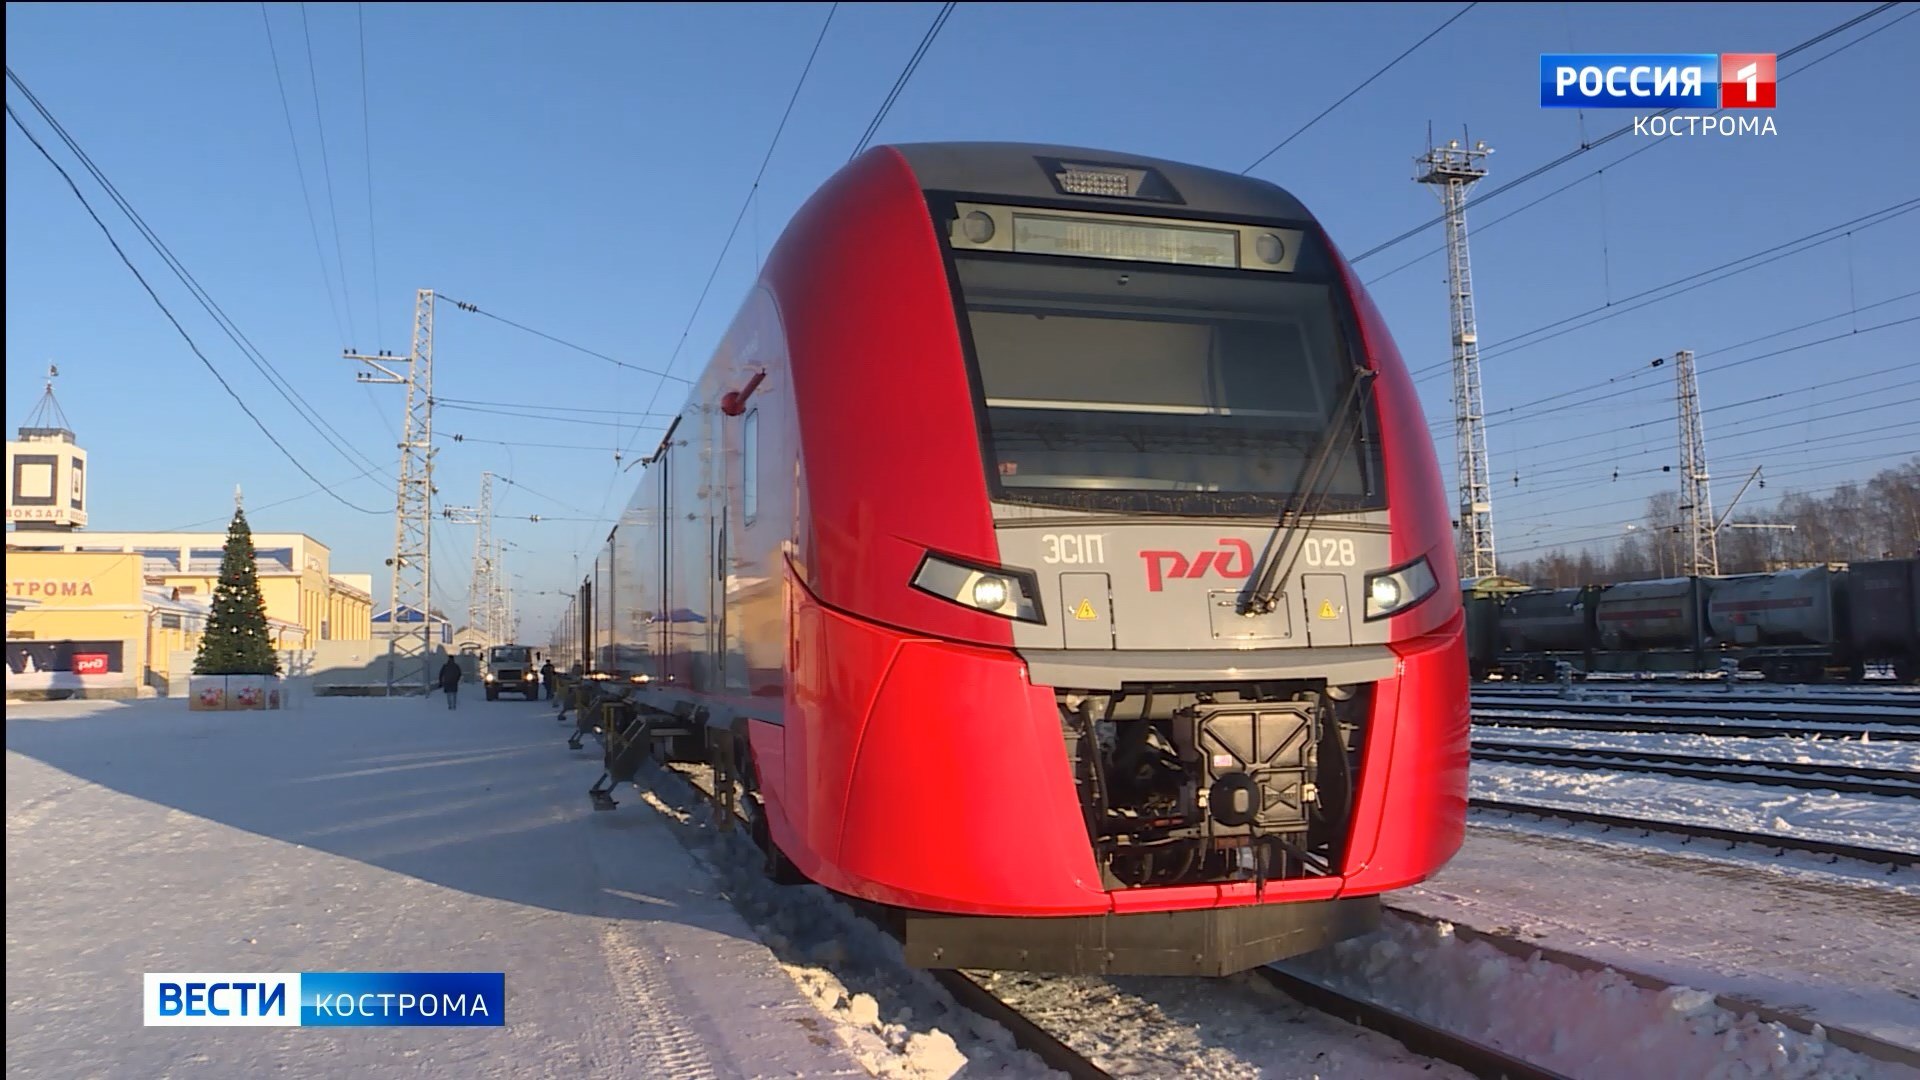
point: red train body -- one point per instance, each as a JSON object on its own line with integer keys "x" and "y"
{"x": 1057, "y": 535}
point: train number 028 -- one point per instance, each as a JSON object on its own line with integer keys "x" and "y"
{"x": 1329, "y": 552}
{"x": 1073, "y": 548}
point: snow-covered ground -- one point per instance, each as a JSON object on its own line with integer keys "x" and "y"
{"x": 1856, "y": 752}
{"x": 1844, "y": 952}
{"x": 368, "y": 835}
{"x": 1892, "y": 824}
{"x": 1589, "y": 1025}
{"x": 1137, "y": 1027}
{"x": 360, "y": 834}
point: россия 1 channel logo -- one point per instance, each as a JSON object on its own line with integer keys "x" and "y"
{"x": 1665, "y": 81}
{"x": 325, "y": 999}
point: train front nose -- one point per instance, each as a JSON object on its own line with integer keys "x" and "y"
{"x": 968, "y": 789}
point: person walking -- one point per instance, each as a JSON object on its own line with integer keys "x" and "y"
{"x": 546, "y": 678}
{"x": 450, "y": 676}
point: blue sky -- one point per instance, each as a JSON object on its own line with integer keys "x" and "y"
{"x": 575, "y": 168}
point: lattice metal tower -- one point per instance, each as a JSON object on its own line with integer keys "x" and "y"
{"x": 484, "y": 613}
{"x": 410, "y": 651}
{"x": 1452, "y": 169}
{"x": 1696, "y": 494}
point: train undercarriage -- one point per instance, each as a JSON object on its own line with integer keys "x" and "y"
{"x": 1206, "y": 783}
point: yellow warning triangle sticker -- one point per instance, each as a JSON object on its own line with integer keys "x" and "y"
{"x": 1085, "y": 611}
{"x": 1326, "y": 610}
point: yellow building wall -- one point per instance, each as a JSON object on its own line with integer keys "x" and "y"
{"x": 87, "y": 596}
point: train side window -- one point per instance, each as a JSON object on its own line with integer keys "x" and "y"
{"x": 750, "y": 467}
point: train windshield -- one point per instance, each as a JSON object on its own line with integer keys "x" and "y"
{"x": 1129, "y": 387}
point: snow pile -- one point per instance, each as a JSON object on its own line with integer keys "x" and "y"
{"x": 896, "y": 1020}
{"x": 1591, "y": 1025}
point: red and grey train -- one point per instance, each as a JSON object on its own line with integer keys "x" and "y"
{"x": 1056, "y": 539}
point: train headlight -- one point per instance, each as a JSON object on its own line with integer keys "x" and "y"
{"x": 990, "y": 593}
{"x": 1010, "y": 593}
{"x": 1391, "y": 592}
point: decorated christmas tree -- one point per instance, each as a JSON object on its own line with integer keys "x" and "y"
{"x": 236, "y": 640}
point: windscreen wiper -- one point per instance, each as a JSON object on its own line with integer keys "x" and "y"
{"x": 1297, "y": 516}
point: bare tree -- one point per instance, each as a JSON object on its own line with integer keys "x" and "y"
{"x": 1877, "y": 519}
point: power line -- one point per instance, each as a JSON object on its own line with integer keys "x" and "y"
{"x": 1517, "y": 413}
{"x": 440, "y": 402}
{"x": 1891, "y": 213}
{"x": 720, "y": 259}
{"x": 326, "y": 171}
{"x": 270, "y": 505}
{"x": 1615, "y": 536}
{"x": 1431, "y": 34}
{"x": 753, "y": 189}
{"x": 1624, "y": 158}
{"x": 155, "y": 297}
{"x": 526, "y": 445}
{"x": 366, "y": 133}
{"x": 281, "y": 385}
{"x": 1706, "y": 277}
{"x": 300, "y": 170}
{"x": 1724, "y": 434}
{"x": 899, "y": 84}
{"x": 1587, "y": 147}
{"x": 475, "y": 309}
{"x": 1894, "y": 431}
{"x": 1562, "y": 441}
{"x": 516, "y": 405}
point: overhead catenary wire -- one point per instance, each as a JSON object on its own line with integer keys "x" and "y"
{"x": 281, "y": 385}
{"x": 326, "y": 172}
{"x": 720, "y": 259}
{"x": 300, "y": 171}
{"x": 1390, "y": 65}
{"x": 1562, "y": 440}
{"x": 1615, "y": 535}
{"x": 1698, "y": 279}
{"x": 1727, "y": 431}
{"x": 1480, "y": 229}
{"x": 1898, "y": 433}
{"x": 1587, "y": 147}
{"x": 475, "y": 309}
{"x": 188, "y": 338}
{"x": 906, "y": 75}
{"x": 1517, "y": 414}
{"x": 366, "y": 134}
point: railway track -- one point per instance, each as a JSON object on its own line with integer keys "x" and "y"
{"x": 1725, "y": 707}
{"x": 1592, "y": 692}
{"x": 1487, "y": 1062}
{"x": 1660, "y": 725}
{"x": 1894, "y": 861}
{"x": 1527, "y": 950}
{"x": 1846, "y": 779}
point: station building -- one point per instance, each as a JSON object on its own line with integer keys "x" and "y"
{"x": 111, "y": 608}
{"x": 121, "y": 613}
